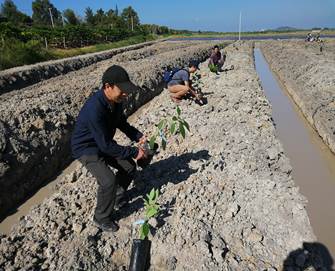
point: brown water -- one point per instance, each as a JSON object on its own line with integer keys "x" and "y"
{"x": 37, "y": 198}
{"x": 312, "y": 162}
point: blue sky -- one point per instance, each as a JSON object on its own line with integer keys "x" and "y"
{"x": 215, "y": 15}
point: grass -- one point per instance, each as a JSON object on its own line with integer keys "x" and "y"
{"x": 16, "y": 53}
{"x": 63, "y": 53}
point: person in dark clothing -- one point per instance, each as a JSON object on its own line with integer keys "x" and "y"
{"x": 180, "y": 83}
{"x": 216, "y": 59}
{"x": 93, "y": 145}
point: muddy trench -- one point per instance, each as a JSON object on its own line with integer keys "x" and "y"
{"x": 313, "y": 163}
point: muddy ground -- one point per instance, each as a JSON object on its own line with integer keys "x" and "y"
{"x": 228, "y": 199}
{"x": 36, "y": 122}
{"x": 308, "y": 74}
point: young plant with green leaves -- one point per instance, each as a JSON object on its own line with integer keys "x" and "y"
{"x": 151, "y": 208}
{"x": 213, "y": 68}
{"x": 169, "y": 127}
{"x": 197, "y": 83}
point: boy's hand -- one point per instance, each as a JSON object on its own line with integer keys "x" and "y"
{"x": 143, "y": 139}
{"x": 140, "y": 155}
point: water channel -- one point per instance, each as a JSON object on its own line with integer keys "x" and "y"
{"x": 312, "y": 162}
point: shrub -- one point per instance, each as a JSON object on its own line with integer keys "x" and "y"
{"x": 16, "y": 53}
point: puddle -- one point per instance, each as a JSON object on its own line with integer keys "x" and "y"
{"x": 312, "y": 162}
{"x": 42, "y": 194}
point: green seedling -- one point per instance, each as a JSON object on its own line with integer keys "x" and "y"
{"x": 213, "y": 68}
{"x": 196, "y": 81}
{"x": 151, "y": 208}
{"x": 169, "y": 127}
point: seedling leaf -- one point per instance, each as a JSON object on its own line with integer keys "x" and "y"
{"x": 186, "y": 125}
{"x": 152, "y": 142}
{"x": 173, "y": 128}
{"x": 178, "y": 111}
{"x": 182, "y": 129}
{"x": 151, "y": 212}
{"x": 152, "y": 194}
{"x": 161, "y": 124}
{"x": 144, "y": 230}
{"x": 163, "y": 144}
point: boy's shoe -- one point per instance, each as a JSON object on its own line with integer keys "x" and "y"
{"x": 108, "y": 226}
{"x": 121, "y": 201}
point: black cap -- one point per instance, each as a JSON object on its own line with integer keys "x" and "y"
{"x": 116, "y": 75}
{"x": 194, "y": 63}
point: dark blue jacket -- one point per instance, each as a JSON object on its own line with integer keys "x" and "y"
{"x": 96, "y": 126}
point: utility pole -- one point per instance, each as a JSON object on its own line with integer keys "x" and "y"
{"x": 132, "y": 23}
{"x": 239, "y": 28}
{"x": 52, "y": 20}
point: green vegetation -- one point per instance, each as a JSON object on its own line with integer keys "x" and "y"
{"x": 169, "y": 127}
{"x": 51, "y": 34}
{"x": 15, "y": 53}
{"x": 151, "y": 210}
{"x": 58, "y": 53}
{"x": 213, "y": 68}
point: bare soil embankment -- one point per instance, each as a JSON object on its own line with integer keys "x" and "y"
{"x": 227, "y": 195}
{"x": 36, "y": 122}
{"x": 309, "y": 76}
{"x": 20, "y": 77}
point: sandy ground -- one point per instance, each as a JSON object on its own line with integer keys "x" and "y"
{"x": 228, "y": 199}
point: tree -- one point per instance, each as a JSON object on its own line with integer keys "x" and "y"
{"x": 70, "y": 17}
{"x": 41, "y": 13}
{"x": 99, "y": 16}
{"x": 129, "y": 15}
{"x": 10, "y": 11}
{"x": 110, "y": 13}
{"x": 116, "y": 11}
{"x": 89, "y": 16}
{"x": 110, "y": 18}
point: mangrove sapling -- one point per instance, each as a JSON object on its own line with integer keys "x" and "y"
{"x": 169, "y": 127}
{"x": 151, "y": 208}
{"x": 140, "y": 251}
{"x": 213, "y": 68}
{"x": 197, "y": 83}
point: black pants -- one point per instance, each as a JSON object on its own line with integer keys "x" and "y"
{"x": 109, "y": 184}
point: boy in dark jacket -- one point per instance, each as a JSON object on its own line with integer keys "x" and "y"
{"x": 93, "y": 144}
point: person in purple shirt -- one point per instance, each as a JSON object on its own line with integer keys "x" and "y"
{"x": 216, "y": 58}
{"x": 93, "y": 144}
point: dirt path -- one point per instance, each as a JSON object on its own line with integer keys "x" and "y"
{"x": 309, "y": 77}
{"x": 227, "y": 194}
